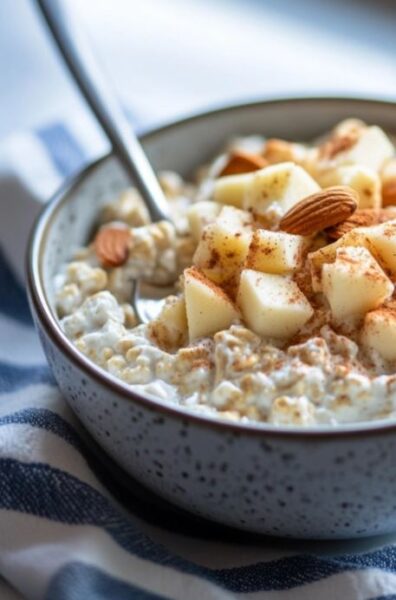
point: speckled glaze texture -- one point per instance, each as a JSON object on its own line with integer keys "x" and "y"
{"x": 288, "y": 483}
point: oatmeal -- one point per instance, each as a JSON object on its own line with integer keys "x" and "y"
{"x": 284, "y": 258}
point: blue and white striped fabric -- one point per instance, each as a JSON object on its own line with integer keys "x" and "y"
{"x": 68, "y": 531}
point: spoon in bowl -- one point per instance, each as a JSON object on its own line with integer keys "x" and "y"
{"x": 83, "y": 67}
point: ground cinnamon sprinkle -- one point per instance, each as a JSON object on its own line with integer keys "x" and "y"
{"x": 200, "y": 276}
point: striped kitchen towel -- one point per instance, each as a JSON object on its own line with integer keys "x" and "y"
{"x": 68, "y": 529}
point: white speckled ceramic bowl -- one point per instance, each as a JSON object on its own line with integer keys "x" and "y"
{"x": 315, "y": 483}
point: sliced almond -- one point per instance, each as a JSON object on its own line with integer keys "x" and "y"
{"x": 240, "y": 162}
{"x": 320, "y": 211}
{"x": 364, "y": 217}
{"x": 112, "y": 245}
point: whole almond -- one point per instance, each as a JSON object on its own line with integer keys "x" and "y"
{"x": 319, "y": 211}
{"x": 364, "y": 217}
{"x": 112, "y": 245}
{"x": 240, "y": 162}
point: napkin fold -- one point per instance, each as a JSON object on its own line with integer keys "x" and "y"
{"x": 69, "y": 528}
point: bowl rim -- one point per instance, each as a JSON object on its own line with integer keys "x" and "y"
{"x": 39, "y": 300}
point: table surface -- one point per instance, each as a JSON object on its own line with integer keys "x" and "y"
{"x": 171, "y": 57}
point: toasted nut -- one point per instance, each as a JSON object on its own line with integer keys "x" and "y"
{"x": 388, "y": 177}
{"x": 276, "y": 151}
{"x": 364, "y": 217}
{"x": 240, "y": 161}
{"x": 112, "y": 245}
{"x": 320, "y": 211}
{"x": 389, "y": 193}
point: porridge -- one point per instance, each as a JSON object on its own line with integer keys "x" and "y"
{"x": 284, "y": 258}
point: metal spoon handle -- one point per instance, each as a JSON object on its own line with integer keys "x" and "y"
{"x": 79, "y": 58}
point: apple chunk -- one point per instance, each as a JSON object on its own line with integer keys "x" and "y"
{"x": 383, "y": 239}
{"x": 231, "y": 189}
{"x": 169, "y": 329}
{"x": 372, "y": 149}
{"x": 379, "y": 332}
{"x": 357, "y": 237}
{"x": 354, "y": 283}
{"x": 284, "y": 183}
{"x": 224, "y": 245}
{"x": 272, "y": 305}
{"x": 275, "y": 251}
{"x": 201, "y": 214}
{"x": 208, "y": 308}
{"x": 365, "y": 181}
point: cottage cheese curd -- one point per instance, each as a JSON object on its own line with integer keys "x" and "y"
{"x": 266, "y": 325}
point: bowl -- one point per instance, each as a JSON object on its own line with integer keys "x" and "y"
{"x": 322, "y": 482}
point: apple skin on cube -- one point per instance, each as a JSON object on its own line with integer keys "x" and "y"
{"x": 201, "y": 214}
{"x": 208, "y": 307}
{"x": 284, "y": 183}
{"x": 275, "y": 251}
{"x": 272, "y": 305}
{"x": 224, "y": 245}
{"x": 354, "y": 283}
{"x": 379, "y": 332}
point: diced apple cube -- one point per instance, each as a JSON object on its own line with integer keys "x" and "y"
{"x": 383, "y": 239}
{"x": 169, "y": 329}
{"x": 357, "y": 237}
{"x": 372, "y": 149}
{"x": 272, "y": 305}
{"x": 231, "y": 189}
{"x": 379, "y": 332}
{"x": 224, "y": 245}
{"x": 365, "y": 181}
{"x": 350, "y": 126}
{"x": 201, "y": 214}
{"x": 284, "y": 183}
{"x": 275, "y": 251}
{"x": 354, "y": 283}
{"x": 208, "y": 308}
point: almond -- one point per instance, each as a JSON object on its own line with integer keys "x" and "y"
{"x": 112, "y": 245}
{"x": 389, "y": 193}
{"x": 240, "y": 162}
{"x": 276, "y": 151}
{"x": 364, "y": 217}
{"x": 319, "y": 211}
{"x": 388, "y": 177}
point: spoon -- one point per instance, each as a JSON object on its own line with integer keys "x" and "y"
{"x": 81, "y": 62}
